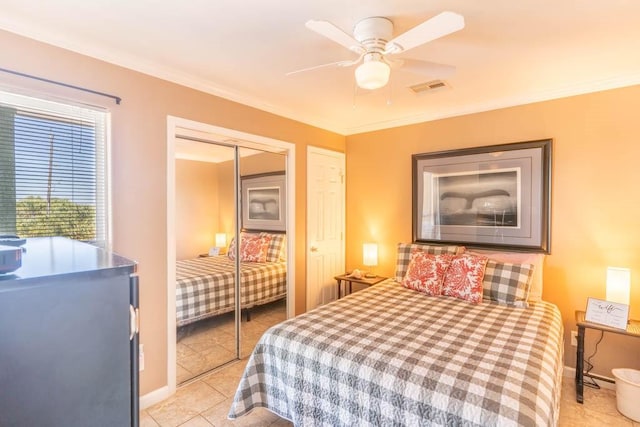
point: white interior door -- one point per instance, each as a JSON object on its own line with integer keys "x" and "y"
{"x": 325, "y": 224}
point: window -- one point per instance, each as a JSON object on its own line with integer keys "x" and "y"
{"x": 53, "y": 179}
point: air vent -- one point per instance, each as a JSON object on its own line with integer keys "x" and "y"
{"x": 432, "y": 86}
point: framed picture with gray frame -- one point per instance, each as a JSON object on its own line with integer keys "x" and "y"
{"x": 263, "y": 201}
{"x": 496, "y": 196}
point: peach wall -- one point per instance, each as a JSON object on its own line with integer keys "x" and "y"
{"x": 139, "y": 151}
{"x": 595, "y": 196}
{"x": 196, "y": 207}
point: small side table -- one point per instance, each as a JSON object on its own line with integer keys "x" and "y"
{"x": 633, "y": 330}
{"x": 363, "y": 281}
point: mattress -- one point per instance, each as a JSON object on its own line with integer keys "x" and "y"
{"x": 205, "y": 286}
{"x": 391, "y": 356}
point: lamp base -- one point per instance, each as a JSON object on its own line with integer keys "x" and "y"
{"x": 370, "y": 276}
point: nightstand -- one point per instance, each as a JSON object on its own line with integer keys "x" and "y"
{"x": 363, "y": 281}
{"x": 633, "y": 330}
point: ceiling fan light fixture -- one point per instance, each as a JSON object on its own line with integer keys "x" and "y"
{"x": 373, "y": 40}
{"x": 372, "y": 75}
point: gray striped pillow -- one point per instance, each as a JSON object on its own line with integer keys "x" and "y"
{"x": 507, "y": 283}
{"x": 277, "y": 247}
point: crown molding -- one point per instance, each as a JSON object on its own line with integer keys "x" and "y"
{"x": 134, "y": 63}
{"x": 575, "y": 89}
{"x": 175, "y": 76}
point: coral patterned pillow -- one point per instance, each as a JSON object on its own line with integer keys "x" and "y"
{"x": 426, "y": 272}
{"x": 254, "y": 248}
{"x": 406, "y": 249}
{"x": 463, "y": 278}
{"x": 231, "y": 252}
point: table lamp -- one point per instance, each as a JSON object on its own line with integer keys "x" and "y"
{"x": 618, "y": 285}
{"x": 221, "y": 243}
{"x": 370, "y": 256}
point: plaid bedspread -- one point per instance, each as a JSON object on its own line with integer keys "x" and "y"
{"x": 205, "y": 286}
{"x": 389, "y": 356}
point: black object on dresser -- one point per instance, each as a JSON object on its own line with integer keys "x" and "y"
{"x": 69, "y": 337}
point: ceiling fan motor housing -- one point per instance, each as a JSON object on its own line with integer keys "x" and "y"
{"x": 373, "y": 33}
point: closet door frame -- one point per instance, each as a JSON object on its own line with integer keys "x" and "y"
{"x": 178, "y": 126}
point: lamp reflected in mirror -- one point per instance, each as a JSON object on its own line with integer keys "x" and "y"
{"x": 221, "y": 242}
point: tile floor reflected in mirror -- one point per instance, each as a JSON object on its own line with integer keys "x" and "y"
{"x": 210, "y": 343}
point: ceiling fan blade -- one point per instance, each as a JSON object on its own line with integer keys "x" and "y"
{"x": 330, "y": 31}
{"x": 434, "y": 28}
{"x": 428, "y": 68}
{"x": 347, "y": 63}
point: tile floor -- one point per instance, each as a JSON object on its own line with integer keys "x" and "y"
{"x": 206, "y": 401}
{"x": 599, "y": 408}
{"x": 210, "y": 343}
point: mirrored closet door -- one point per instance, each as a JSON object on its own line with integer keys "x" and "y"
{"x": 263, "y": 266}
{"x": 206, "y": 276}
{"x": 228, "y": 290}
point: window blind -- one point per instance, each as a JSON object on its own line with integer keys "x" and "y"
{"x": 53, "y": 179}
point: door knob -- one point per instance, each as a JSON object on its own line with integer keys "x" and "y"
{"x": 313, "y": 249}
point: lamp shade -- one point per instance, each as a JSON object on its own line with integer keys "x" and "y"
{"x": 372, "y": 74}
{"x": 221, "y": 240}
{"x": 370, "y": 254}
{"x": 618, "y": 285}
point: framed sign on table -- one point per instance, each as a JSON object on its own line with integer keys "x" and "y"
{"x": 495, "y": 196}
{"x": 263, "y": 201}
{"x": 608, "y": 313}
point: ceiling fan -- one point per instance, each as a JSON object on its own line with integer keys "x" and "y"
{"x": 372, "y": 41}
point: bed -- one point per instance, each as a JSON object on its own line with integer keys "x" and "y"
{"x": 389, "y": 355}
{"x": 205, "y": 285}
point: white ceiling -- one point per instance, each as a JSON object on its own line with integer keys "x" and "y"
{"x": 510, "y": 52}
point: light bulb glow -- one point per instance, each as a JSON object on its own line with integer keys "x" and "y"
{"x": 618, "y": 285}
{"x": 221, "y": 240}
{"x": 370, "y": 254}
{"x": 372, "y": 74}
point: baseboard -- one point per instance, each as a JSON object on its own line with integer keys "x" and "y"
{"x": 571, "y": 373}
{"x": 154, "y": 397}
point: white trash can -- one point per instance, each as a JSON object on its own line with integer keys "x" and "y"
{"x": 628, "y": 392}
